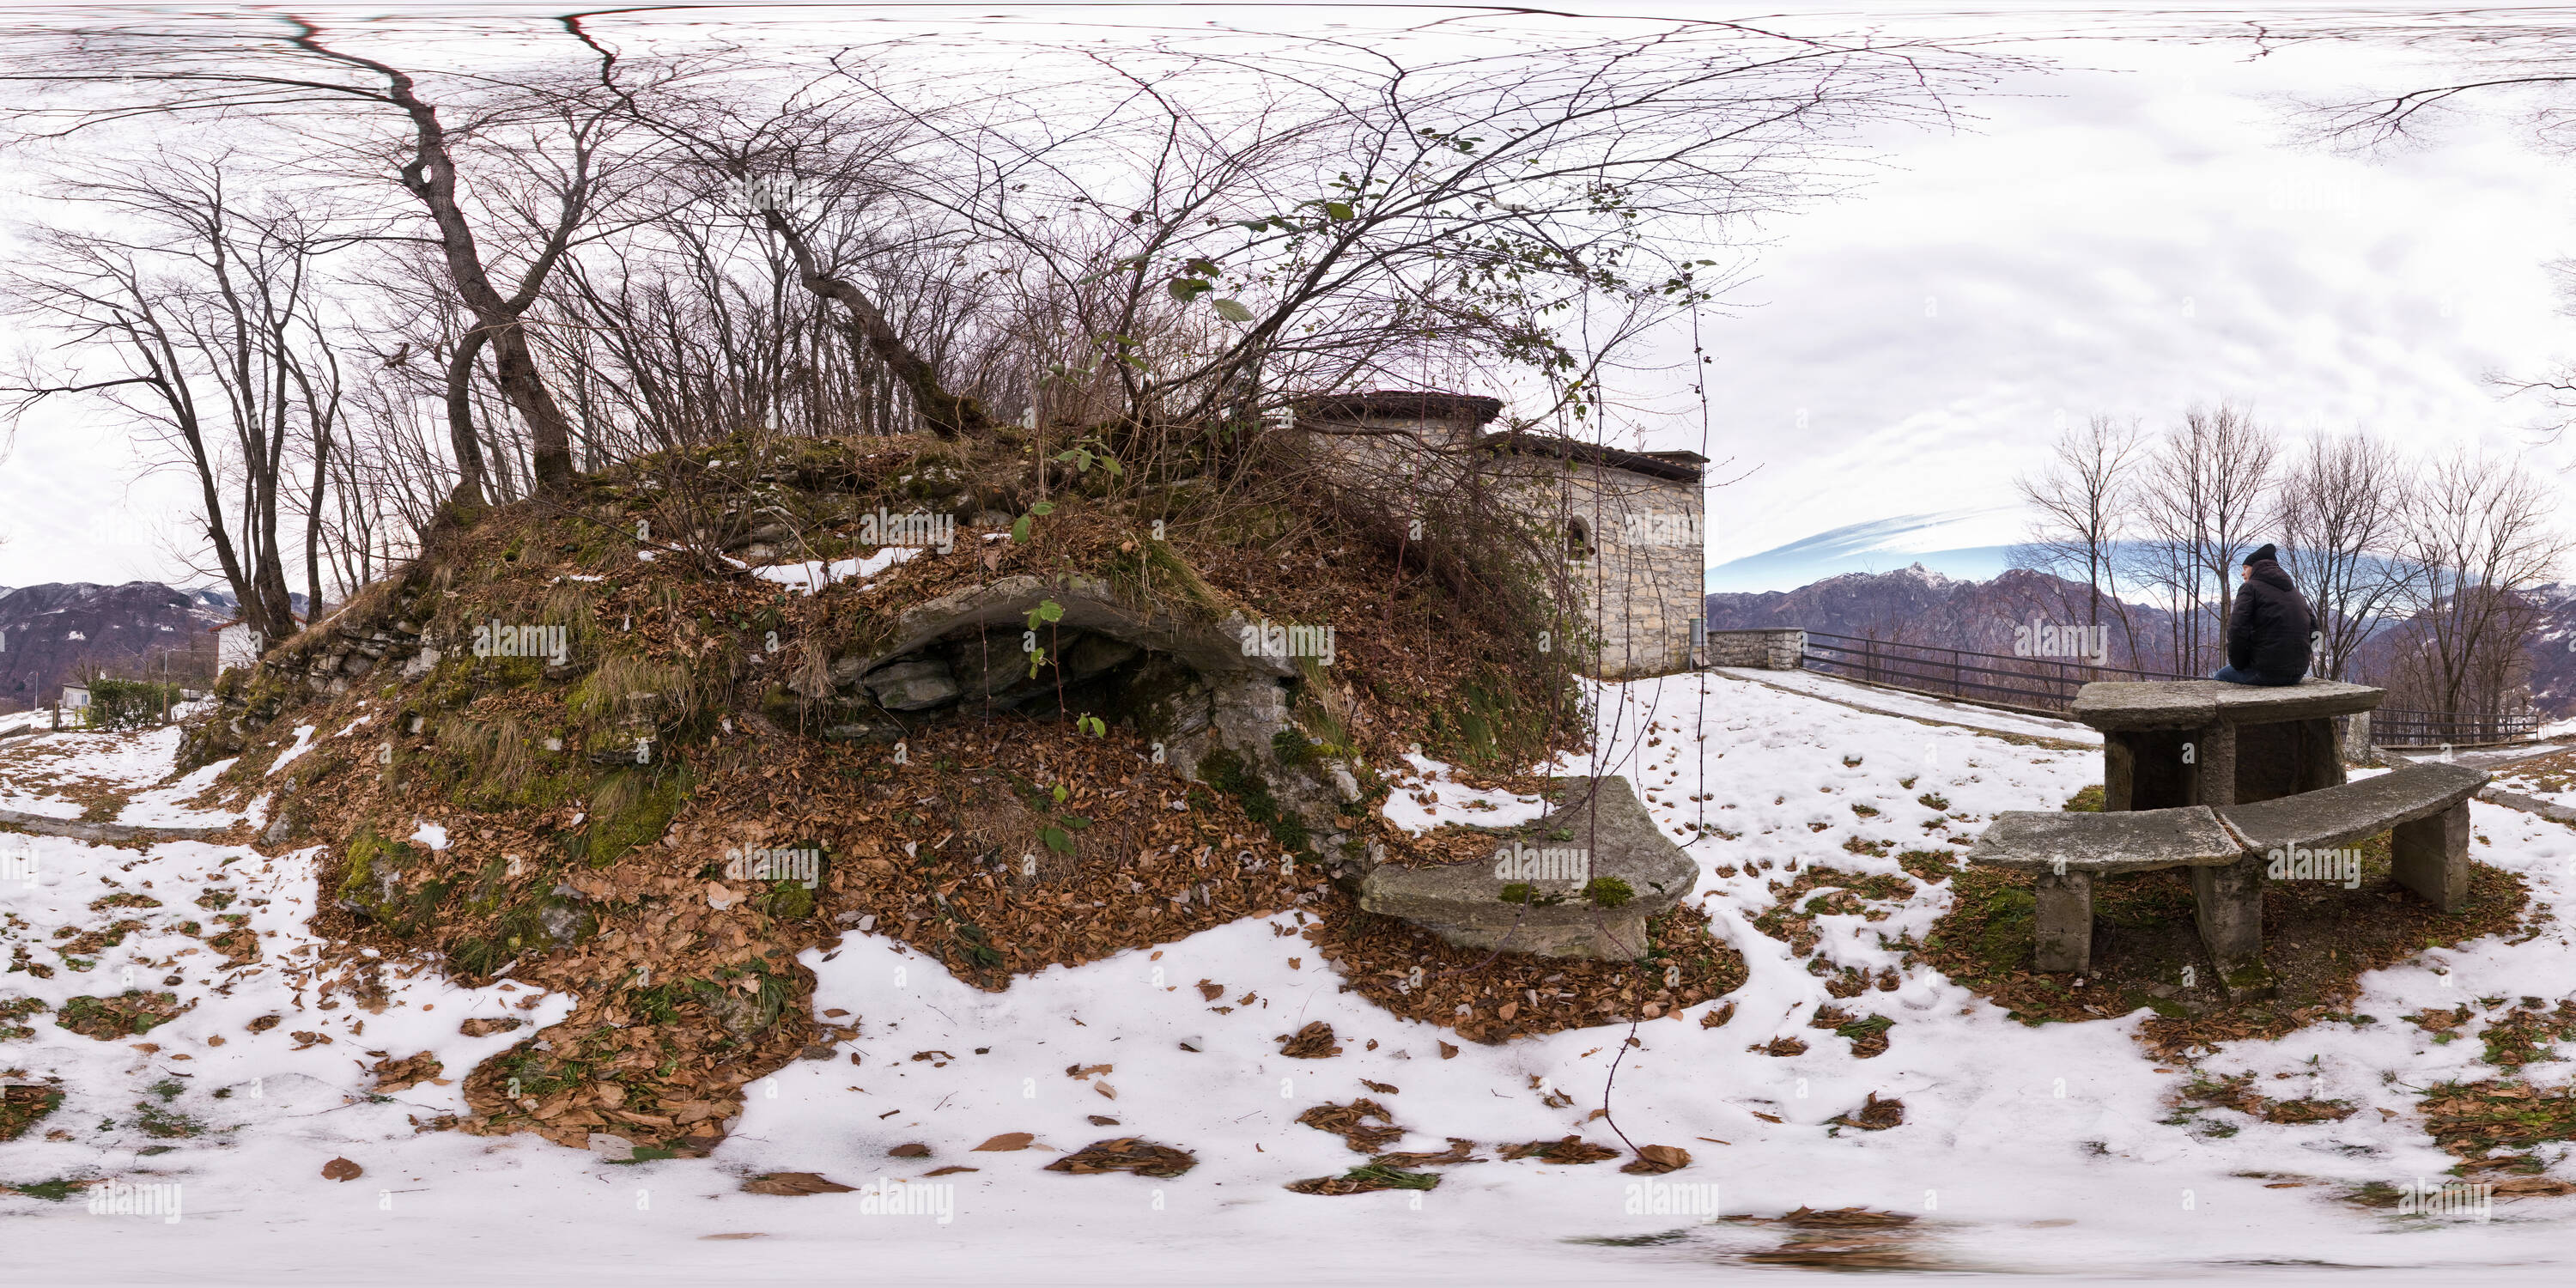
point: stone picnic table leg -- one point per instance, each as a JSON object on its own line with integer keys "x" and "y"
{"x": 2063, "y": 922}
{"x": 2430, "y": 856}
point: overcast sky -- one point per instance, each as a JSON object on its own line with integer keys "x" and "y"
{"x": 2129, "y": 233}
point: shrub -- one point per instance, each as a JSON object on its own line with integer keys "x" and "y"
{"x": 128, "y": 704}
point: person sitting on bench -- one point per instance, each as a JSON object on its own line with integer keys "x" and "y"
{"x": 2268, "y": 633}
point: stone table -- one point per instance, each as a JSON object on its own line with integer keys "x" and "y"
{"x": 2171, "y": 743}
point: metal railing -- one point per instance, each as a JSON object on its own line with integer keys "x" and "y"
{"x": 2049, "y": 686}
{"x": 2399, "y": 728}
{"x": 2044, "y": 684}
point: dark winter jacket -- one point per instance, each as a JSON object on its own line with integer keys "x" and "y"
{"x": 2267, "y": 634}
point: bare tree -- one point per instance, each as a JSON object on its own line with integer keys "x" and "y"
{"x": 2339, "y": 512}
{"x": 2083, "y": 505}
{"x": 2479, "y": 536}
{"x": 550, "y": 138}
{"x": 205, "y": 300}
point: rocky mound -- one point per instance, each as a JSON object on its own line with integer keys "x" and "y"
{"x": 647, "y": 747}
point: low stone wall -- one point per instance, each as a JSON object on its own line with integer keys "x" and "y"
{"x": 1768, "y": 650}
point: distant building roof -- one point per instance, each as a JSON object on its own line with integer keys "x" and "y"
{"x": 1407, "y": 404}
{"x": 1680, "y": 467}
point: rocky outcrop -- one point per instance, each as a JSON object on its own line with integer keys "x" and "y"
{"x": 1581, "y": 882}
{"x": 1212, "y": 710}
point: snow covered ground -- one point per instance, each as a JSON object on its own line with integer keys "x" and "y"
{"x": 2032, "y": 1152}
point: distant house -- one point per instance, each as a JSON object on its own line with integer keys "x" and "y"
{"x": 1630, "y": 522}
{"x": 71, "y": 707}
{"x": 236, "y": 644}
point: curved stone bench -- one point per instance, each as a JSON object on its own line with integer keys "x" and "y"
{"x": 1601, "y": 822}
{"x": 2230, "y": 850}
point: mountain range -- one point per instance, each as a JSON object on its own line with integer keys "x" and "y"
{"x": 58, "y": 631}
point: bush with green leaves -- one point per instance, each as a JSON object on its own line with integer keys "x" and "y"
{"x": 128, "y": 704}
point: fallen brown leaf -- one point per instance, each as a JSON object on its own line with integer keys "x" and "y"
{"x": 1007, "y": 1141}
{"x": 1654, "y": 1160}
{"x": 1127, "y": 1154}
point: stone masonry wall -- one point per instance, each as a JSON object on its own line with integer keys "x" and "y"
{"x": 1767, "y": 650}
{"x": 1633, "y": 542}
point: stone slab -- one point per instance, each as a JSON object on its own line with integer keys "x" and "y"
{"x": 2129, "y": 841}
{"x": 1616, "y": 838}
{"x": 2192, "y": 704}
{"x": 1090, "y": 604}
{"x": 2340, "y": 815}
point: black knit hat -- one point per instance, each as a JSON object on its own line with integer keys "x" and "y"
{"x": 2260, "y": 556}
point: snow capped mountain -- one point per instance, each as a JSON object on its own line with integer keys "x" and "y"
{"x": 50, "y": 633}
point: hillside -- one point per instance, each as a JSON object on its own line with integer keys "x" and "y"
{"x": 671, "y": 755}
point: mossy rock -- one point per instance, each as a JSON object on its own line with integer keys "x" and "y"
{"x": 788, "y": 901}
{"x": 533, "y": 925}
{"x": 376, "y": 884}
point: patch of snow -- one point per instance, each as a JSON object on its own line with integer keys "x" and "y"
{"x": 303, "y": 743}
{"x": 814, "y": 574}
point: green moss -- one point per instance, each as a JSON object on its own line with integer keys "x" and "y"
{"x": 2087, "y": 801}
{"x": 1608, "y": 892}
{"x": 1868, "y": 1028}
{"x": 1226, "y": 772}
{"x": 376, "y": 884}
{"x": 2005, "y": 942}
{"x": 165, "y": 1124}
{"x": 788, "y": 901}
{"x": 132, "y": 1013}
{"x": 631, "y": 807}
{"x": 54, "y": 1191}
{"x": 1516, "y": 892}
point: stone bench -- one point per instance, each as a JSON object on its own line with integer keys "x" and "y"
{"x": 2169, "y": 743}
{"x": 1600, "y": 831}
{"x": 2229, "y": 851}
